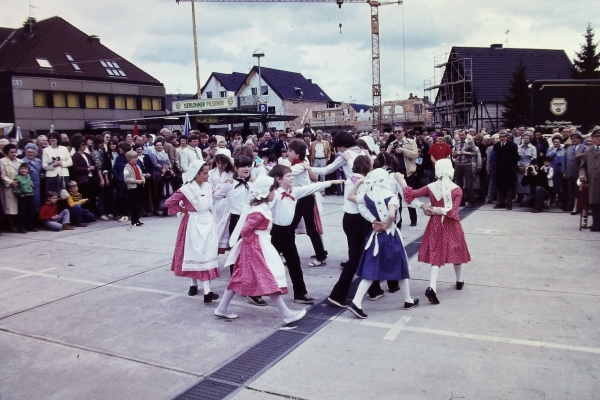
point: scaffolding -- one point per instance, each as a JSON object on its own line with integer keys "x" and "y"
{"x": 452, "y": 89}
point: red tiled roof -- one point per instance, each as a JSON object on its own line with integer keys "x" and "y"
{"x": 51, "y": 39}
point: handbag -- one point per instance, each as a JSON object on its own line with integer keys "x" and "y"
{"x": 63, "y": 194}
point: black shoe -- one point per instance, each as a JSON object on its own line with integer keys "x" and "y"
{"x": 257, "y": 300}
{"x": 497, "y": 206}
{"x": 304, "y": 300}
{"x": 377, "y": 296}
{"x": 357, "y": 311}
{"x": 413, "y": 224}
{"x": 431, "y": 296}
{"x": 573, "y": 212}
{"x": 343, "y": 265}
{"x": 459, "y": 285}
{"x": 139, "y": 223}
{"x": 210, "y": 296}
{"x": 193, "y": 290}
{"x": 594, "y": 229}
{"x": 336, "y": 303}
{"x": 394, "y": 289}
{"x": 470, "y": 205}
{"x": 408, "y": 306}
{"x": 509, "y": 208}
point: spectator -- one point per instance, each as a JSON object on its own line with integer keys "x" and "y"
{"x": 590, "y": 175}
{"x": 83, "y": 173}
{"x": 101, "y": 185}
{"x": 571, "y": 173}
{"x": 50, "y": 217}
{"x": 268, "y": 146}
{"x": 319, "y": 153}
{"x": 81, "y": 216}
{"x": 110, "y": 182}
{"x": 145, "y": 164}
{"x": 283, "y": 160}
{"x": 203, "y": 144}
{"x": 42, "y": 143}
{"x": 506, "y": 157}
{"x": 190, "y": 153}
{"x": 134, "y": 179}
{"x": 405, "y": 150}
{"x": 491, "y": 169}
{"x": 119, "y": 182}
{"x": 527, "y": 153}
{"x": 161, "y": 173}
{"x": 56, "y": 160}
{"x": 538, "y": 181}
{"x": 463, "y": 154}
{"x": 556, "y": 153}
{"x": 24, "y": 192}
{"x": 36, "y": 172}
{"x": 9, "y": 168}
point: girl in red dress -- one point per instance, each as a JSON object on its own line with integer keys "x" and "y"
{"x": 258, "y": 269}
{"x": 444, "y": 239}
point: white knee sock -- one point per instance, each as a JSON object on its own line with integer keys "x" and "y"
{"x": 225, "y": 300}
{"x": 277, "y": 300}
{"x": 363, "y": 288}
{"x": 206, "y": 286}
{"x": 194, "y": 282}
{"x": 406, "y": 291}
{"x": 434, "y": 271}
{"x": 458, "y": 272}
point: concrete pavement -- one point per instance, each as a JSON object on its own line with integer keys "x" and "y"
{"x": 96, "y": 313}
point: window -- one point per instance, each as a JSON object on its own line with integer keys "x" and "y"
{"x": 398, "y": 109}
{"x": 223, "y": 93}
{"x": 146, "y": 103}
{"x": 264, "y": 90}
{"x": 386, "y": 110}
{"x": 112, "y": 68}
{"x": 59, "y": 99}
{"x": 43, "y": 62}
{"x": 120, "y": 102}
{"x": 103, "y": 101}
{"x": 73, "y": 100}
{"x": 156, "y": 103}
{"x": 39, "y": 99}
{"x": 209, "y": 95}
{"x": 75, "y": 66}
{"x": 131, "y": 103}
{"x": 91, "y": 101}
{"x": 254, "y": 91}
{"x": 418, "y": 108}
{"x": 69, "y": 57}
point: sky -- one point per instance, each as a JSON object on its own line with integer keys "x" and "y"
{"x": 156, "y": 35}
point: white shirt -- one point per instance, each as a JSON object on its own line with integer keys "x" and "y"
{"x": 237, "y": 195}
{"x": 284, "y": 161}
{"x": 350, "y": 207}
{"x": 339, "y": 162}
{"x": 216, "y": 178}
{"x": 284, "y": 208}
{"x": 319, "y": 150}
{"x": 301, "y": 177}
{"x": 187, "y": 155}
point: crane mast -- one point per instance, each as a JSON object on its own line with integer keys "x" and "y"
{"x": 375, "y": 50}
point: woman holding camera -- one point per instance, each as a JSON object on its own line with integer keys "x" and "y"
{"x": 56, "y": 160}
{"x": 539, "y": 189}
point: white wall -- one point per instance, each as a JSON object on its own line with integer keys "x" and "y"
{"x": 215, "y": 87}
{"x": 273, "y": 99}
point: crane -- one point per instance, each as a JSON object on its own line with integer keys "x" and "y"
{"x": 375, "y": 51}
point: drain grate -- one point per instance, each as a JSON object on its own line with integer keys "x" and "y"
{"x": 208, "y": 390}
{"x": 308, "y": 324}
{"x": 323, "y": 310}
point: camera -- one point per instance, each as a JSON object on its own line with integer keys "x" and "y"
{"x": 55, "y": 158}
{"x": 529, "y": 169}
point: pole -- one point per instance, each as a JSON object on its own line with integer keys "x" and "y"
{"x": 259, "y": 80}
{"x": 198, "y": 87}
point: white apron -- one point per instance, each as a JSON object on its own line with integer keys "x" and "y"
{"x": 269, "y": 252}
{"x": 220, "y": 208}
{"x": 200, "y": 250}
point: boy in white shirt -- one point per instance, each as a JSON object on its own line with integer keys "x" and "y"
{"x": 283, "y": 160}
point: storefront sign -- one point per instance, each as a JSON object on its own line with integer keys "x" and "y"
{"x": 205, "y": 104}
{"x": 207, "y": 120}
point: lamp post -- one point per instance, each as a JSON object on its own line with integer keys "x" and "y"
{"x": 258, "y": 53}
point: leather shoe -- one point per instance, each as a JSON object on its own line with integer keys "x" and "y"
{"x": 408, "y": 306}
{"x": 431, "y": 296}
{"x": 295, "y": 318}
{"x": 459, "y": 285}
{"x": 193, "y": 291}
{"x": 497, "y": 206}
{"x": 219, "y": 314}
{"x": 357, "y": 311}
{"x": 594, "y": 229}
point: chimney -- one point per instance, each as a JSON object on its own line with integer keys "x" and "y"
{"x": 411, "y": 96}
{"x": 496, "y": 46}
{"x": 309, "y": 80}
{"x": 93, "y": 39}
{"x": 29, "y": 25}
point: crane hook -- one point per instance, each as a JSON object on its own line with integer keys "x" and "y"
{"x": 340, "y": 27}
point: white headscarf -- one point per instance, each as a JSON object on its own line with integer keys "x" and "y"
{"x": 378, "y": 185}
{"x": 444, "y": 172}
{"x": 261, "y": 187}
{"x": 193, "y": 169}
{"x": 371, "y": 143}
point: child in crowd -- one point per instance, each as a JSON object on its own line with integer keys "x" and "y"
{"x": 24, "y": 192}
{"x": 283, "y": 160}
{"x": 283, "y": 237}
{"x": 134, "y": 178}
{"x": 218, "y": 176}
{"x": 80, "y": 215}
{"x": 49, "y": 215}
{"x": 271, "y": 161}
{"x": 384, "y": 257}
{"x": 258, "y": 268}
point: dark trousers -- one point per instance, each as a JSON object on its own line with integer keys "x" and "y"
{"x": 356, "y": 229}
{"x": 283, "y": 239}
{"x": 595, "y": 215}
{"x": 26, "y": 213}
{"x": 133, "y": 203}
{"x": 536, "y": 200}
{"x": 233, "y": 220}
{"x": 305, "y": 208}
{"x": 463, "y": 177}
{"x": 572, "y": 193}
{"x": 410, "y": 181}
{"x": 504, "y": 197}
{"x": 79, "y": 214}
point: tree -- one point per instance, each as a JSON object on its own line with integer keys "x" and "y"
{"x": 587, "y": 61}
{"x": 517, "y": 105}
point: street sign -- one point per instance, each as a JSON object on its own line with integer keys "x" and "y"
{"x": 263, "y": 108}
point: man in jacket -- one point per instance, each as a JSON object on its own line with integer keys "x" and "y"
{"x": 406, "y": 152}
{"x": 590, "y": 173}
{"x": 506, "y": 155}
{"x": 571, "y": 173}
{"x": 268, "y": 146}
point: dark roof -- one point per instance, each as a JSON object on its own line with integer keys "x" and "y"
{"x": 493, "y": 68}
{"x": 359, "y": 107}
{"x": 291, "y": 85}
{"x": 231, "y": 82}
{"x": 51, "y": 39}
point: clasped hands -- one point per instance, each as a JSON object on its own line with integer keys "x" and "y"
{"x": 427, "y": 209}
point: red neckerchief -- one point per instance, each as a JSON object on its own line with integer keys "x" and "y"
{"x": 286, "y": 194}
{"x": 297, "y": 161}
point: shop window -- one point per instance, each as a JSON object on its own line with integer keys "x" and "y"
{"x": 39, "y": 99}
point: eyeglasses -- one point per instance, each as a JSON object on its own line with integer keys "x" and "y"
{"x": 398, "y": 131}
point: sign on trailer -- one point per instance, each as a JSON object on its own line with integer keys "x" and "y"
{"x": 205, "y": 104}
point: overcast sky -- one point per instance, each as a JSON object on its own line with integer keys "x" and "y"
{"x": 156, "y": 35}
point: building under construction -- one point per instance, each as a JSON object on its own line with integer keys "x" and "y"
{"x": 470, "y": 83}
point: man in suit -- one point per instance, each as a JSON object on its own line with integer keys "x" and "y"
{"x": 572, "y": 163}
{"x": 590, "y": 173}
{"x": 268, "y": 146}
{"x": 506, "y": 155}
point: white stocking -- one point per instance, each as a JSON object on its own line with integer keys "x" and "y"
{"x": 206, "y": 286}
{"x": 363, "y": 288}
{"x": 227, "y": 296}
{"x": 458, "y": 272}
{"x": 406, "y": 291}
{"x": 194, "y": 282}
{"x": 277, "y": 300}
{"x": 434, "y": 271}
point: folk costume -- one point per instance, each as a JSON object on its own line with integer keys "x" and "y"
{"x": 384, "y": 257}
{"x": 258, "y": 268}
{"x": 220, "y": 209}
{"x": 444, "y": 239}
{"x": 196, "y": 250}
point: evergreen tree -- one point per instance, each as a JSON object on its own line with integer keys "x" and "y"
{"x": 517, "y": 105}
{"x": 587, "y": 61}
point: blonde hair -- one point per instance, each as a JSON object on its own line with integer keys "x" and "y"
{"x": 131, "y": 154}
